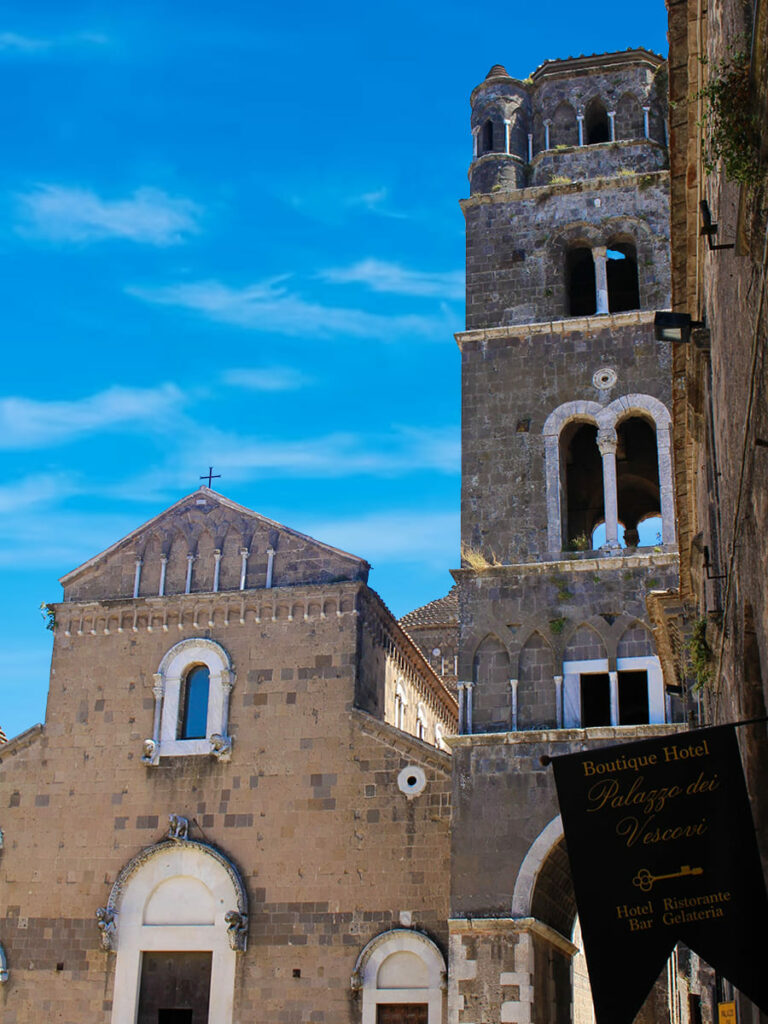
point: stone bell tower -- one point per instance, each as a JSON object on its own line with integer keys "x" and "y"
{"x": 567, "y": 517}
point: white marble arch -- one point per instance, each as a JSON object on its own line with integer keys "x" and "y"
{"x": 606, "y": 419}
{"x": 401, "y": 966}
{"x": 540, "y": 849}
{"x": 173, "y": 897}
{"x": 168, "y": 688}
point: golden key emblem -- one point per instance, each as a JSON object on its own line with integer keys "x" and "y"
{"x": 645, "y": 880}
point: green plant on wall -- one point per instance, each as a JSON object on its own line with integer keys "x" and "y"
{"x": 557, "y": 625}
{"x": 49, "y": 616}
{"x": 729, "y": 122}
{"x": 700, "y": 654}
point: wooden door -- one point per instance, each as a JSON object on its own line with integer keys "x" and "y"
{"x": 401, "y": 1013}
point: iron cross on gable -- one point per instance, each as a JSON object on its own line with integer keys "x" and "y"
{"x": 210, "y": 475}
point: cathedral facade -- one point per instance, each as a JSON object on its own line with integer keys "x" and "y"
{"x": 257, "y": 796}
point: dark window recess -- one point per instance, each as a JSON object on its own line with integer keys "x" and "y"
{"x": 595, "y": 699}
{"x": 580, "y": 278}
{"x": 621, "y": 271}
{"x": 175, "y": 988}
{"x": 584, "y": 497}
{"x": 637, "y": 476}
{"x": 194, "y": 712}
{"x": 486, "y": 141}
{"x": 633, "y": 698}
{"x": 596, "y": 123}
{"x": 694, "y": 1009}
{"x": 401, "y": 1013}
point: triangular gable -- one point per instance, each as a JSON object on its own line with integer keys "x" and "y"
{"x": 206, "y": 542}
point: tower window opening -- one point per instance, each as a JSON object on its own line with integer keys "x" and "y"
{"x": 580, "y": 278}
{"x": 565, "y": 130}
{"x": 596, "y": 123}
{"x": 486, "y": 138}
{"x": 633, "y": 698}
{"x": 621, "y": 270}
{"x": 637, "y": 476}
{"x": 194, "y": 705}
{"x": 583, "y": 470}
{"x": 595, "y": 699}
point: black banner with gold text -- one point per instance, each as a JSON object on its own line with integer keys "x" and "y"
{"x": 662, "y": 849}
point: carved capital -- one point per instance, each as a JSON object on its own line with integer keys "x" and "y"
{"x": 106, "y": 919}
{"x": 607, "y": 441}
{"x": 237, "y": 929}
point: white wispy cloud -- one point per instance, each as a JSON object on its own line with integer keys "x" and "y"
{"x": 27, "y": 423}
{"x": 16, "y": 42}
{"x": 31, "y": 491}
{"x": 375, "y": 201}
{"x": 399, "y": 534}
{"x": 61, "y": 214}
{"x": 269, "y": 306}
{"x": 266, "y": 378}
{"x": 381, "y": 276}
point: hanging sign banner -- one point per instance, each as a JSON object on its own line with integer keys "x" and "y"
{"x": 662, "y": 849}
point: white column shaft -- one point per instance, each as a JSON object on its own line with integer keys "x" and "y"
{"x": 612, "y": 124}
{"x": 506, "y": 136}
{"x": 243, "y": 567}
{"x": 513, "y": 704}
{"x": 216, "y": 570}
{"x": 614, "y": 678}
{"x": 470, "y": 688}
{"x": 530, "y": 148}
{"x": 546, "y": 134}
{"x": 600, "y": 257}
{"x": 580, "y": 119}
{"x": 188, "y": 581}
{"x": 163, "y": 570}
{"x": 461, "y": 708}
{"x": 559, "y": 701}
{"x": 270, "y": 565}
{"x": 646, "y": 122}
{"x": 137, "y": 578}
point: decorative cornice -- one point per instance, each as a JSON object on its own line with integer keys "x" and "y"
{"x": 587, "y": 324}
{"x": 401, "y": 741}
{"x": 538, "y": 192}
{"x": 578, "y": 738}
{"x": 494, "y": 925}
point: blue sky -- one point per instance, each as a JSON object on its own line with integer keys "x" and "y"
{"x": 230, "y": 235}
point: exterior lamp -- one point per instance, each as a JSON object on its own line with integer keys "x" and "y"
{"x": 675, "y": 327}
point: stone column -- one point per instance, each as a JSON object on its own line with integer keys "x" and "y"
{"x": 470, "y": 687}
{"x": 216, "y": 569}
{"x": 461, "y": 688}
{"x": 607, "y": 443}
{"x": 580, "y": 119}
{"x": 243, "y": 566}
{"x": 227, "y": 681}
{"x": 552, "y": 469}
{"x": 270, "y": 566}
{"x": 547, "y": 126}
{"x": 188, "y": 581}
{"x": 506, "y": 135}
{"x": 158, "y": 690}
{"x": 530, "y": 147}
{"x": 513, "y": 704}
{"x": 614, "y": 678}
{"x": 600, "y": 256}
{"x": 612, "y": 124}
{"x": 559, "y": 701}
{"x": 646, "y": 122}
{"x": 163, "y": 570}
{"x": 137, "y": 578}
{"x": 666, "y": 485}
{"x": 475, "y": 146}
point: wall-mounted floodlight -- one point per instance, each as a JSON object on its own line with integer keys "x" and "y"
{"x": 675, "y": 327}
{"x": 709, "y": 228}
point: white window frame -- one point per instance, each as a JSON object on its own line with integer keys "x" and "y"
{"x": 168, "y": 690}
{"x": 128, "y": 900}
{"x": 400, "y": 705}
{"x": 573, "y": 670}
{"x": 401, "y": 940}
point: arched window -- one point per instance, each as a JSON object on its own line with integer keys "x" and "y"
{"x": 580, "y": 281}
{"x": 194, "y": 703}
{"x": 629, "y": 118}
{"x": 401, "y": 975}
{"x": 637, "y": 475}
{"x": 400, "y": 704}
{"x": 421, "y": 722}
{"x": 486, "y": 137}
{"x": 565, "y": 131}
{"x": 582, "y": 485}
{"x": 191, "y": 690}
{"x": 176, "y": 917}
{"x": 621, "y": 270}
{"x": 596, "y": 122}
